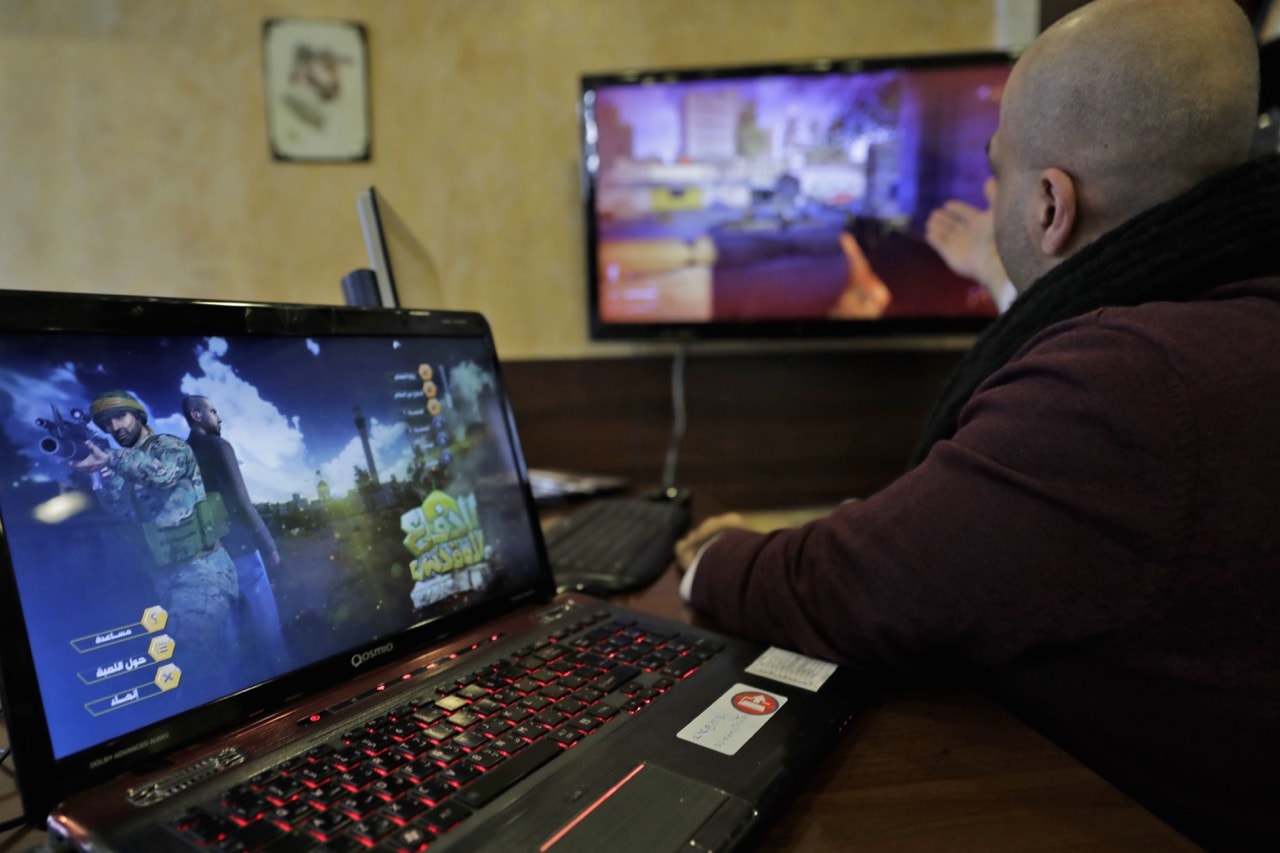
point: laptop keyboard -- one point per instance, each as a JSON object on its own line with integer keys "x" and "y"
{"x": 407, "y": 776}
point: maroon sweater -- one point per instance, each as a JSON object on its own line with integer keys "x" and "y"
{"x": 1101, "y": 538}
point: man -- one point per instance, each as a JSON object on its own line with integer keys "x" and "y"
{"x": 154, "y": 480}
{"x": 250, "y": 544}
{"x": 1091, "y": 522}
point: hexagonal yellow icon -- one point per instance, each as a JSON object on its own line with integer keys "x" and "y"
{"x": 154, "y": 619}
{"x": 161, "y": 647}
{"x": 168, "y": 676}
{"x": 424, "y": 372}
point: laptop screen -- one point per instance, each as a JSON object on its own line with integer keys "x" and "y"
{"x": 188, "y": 515}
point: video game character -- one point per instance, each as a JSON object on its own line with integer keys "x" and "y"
{"x": 154, "y": 479}
{"x": 250, "y": 544}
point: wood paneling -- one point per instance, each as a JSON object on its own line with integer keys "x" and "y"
{"x": 763, "y": 430}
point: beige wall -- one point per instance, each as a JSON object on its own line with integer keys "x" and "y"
{"x": 133, "y": 139}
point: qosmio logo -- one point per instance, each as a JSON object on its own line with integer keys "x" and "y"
{"x": 361, "y": 658}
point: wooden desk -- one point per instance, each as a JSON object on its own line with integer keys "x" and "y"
{"x": 923, "y": 770}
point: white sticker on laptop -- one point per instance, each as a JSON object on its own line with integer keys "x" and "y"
{"x": 730, "y": 721}
{"x": 790, "y": 668}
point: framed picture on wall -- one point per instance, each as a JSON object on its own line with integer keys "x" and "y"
{"x": 316, "y": 78}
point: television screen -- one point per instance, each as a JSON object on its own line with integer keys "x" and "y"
{"x": 784, "y": 201}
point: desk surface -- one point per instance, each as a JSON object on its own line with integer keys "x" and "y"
{"x": 921, "y": 770}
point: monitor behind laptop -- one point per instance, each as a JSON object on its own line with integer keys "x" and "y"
{"x": 401, "y": 266}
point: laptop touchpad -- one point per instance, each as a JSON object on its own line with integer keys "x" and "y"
{"x": 652, "y": 809}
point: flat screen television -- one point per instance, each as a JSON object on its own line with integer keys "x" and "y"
{"x": 783, "y": 201}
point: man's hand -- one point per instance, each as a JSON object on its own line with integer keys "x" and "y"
{"x": 95, "y": 460}
{"x": 965, "y": 238}
{"x": 688, "y": 547}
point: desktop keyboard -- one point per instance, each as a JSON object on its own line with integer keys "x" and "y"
{"x": 618, "y": 544}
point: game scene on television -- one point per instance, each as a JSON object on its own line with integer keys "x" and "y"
{"x": 785, "y": 196}
{"x": 190, "y": 516}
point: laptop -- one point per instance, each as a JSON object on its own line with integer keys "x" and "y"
{"x": 421, "y": 684}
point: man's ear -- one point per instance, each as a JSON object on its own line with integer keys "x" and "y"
{"x": 1056, "y": 212}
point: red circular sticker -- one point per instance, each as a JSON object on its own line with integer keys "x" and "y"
{"x": 755, "y": 703}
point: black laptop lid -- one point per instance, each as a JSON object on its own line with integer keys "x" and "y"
{"x": 376, "y": 446}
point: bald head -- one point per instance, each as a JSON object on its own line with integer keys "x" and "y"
{"x": 1135, "y": 101}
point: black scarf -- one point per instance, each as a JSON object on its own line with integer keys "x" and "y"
{"x": 1223, "y": 230}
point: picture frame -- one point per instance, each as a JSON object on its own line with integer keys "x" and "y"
{"x": 316, "y": 87}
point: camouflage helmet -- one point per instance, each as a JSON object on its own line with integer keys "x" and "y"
{"x": 108, "y": 404}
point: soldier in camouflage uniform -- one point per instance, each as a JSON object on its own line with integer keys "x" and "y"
{"x": 154, "y": 479}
